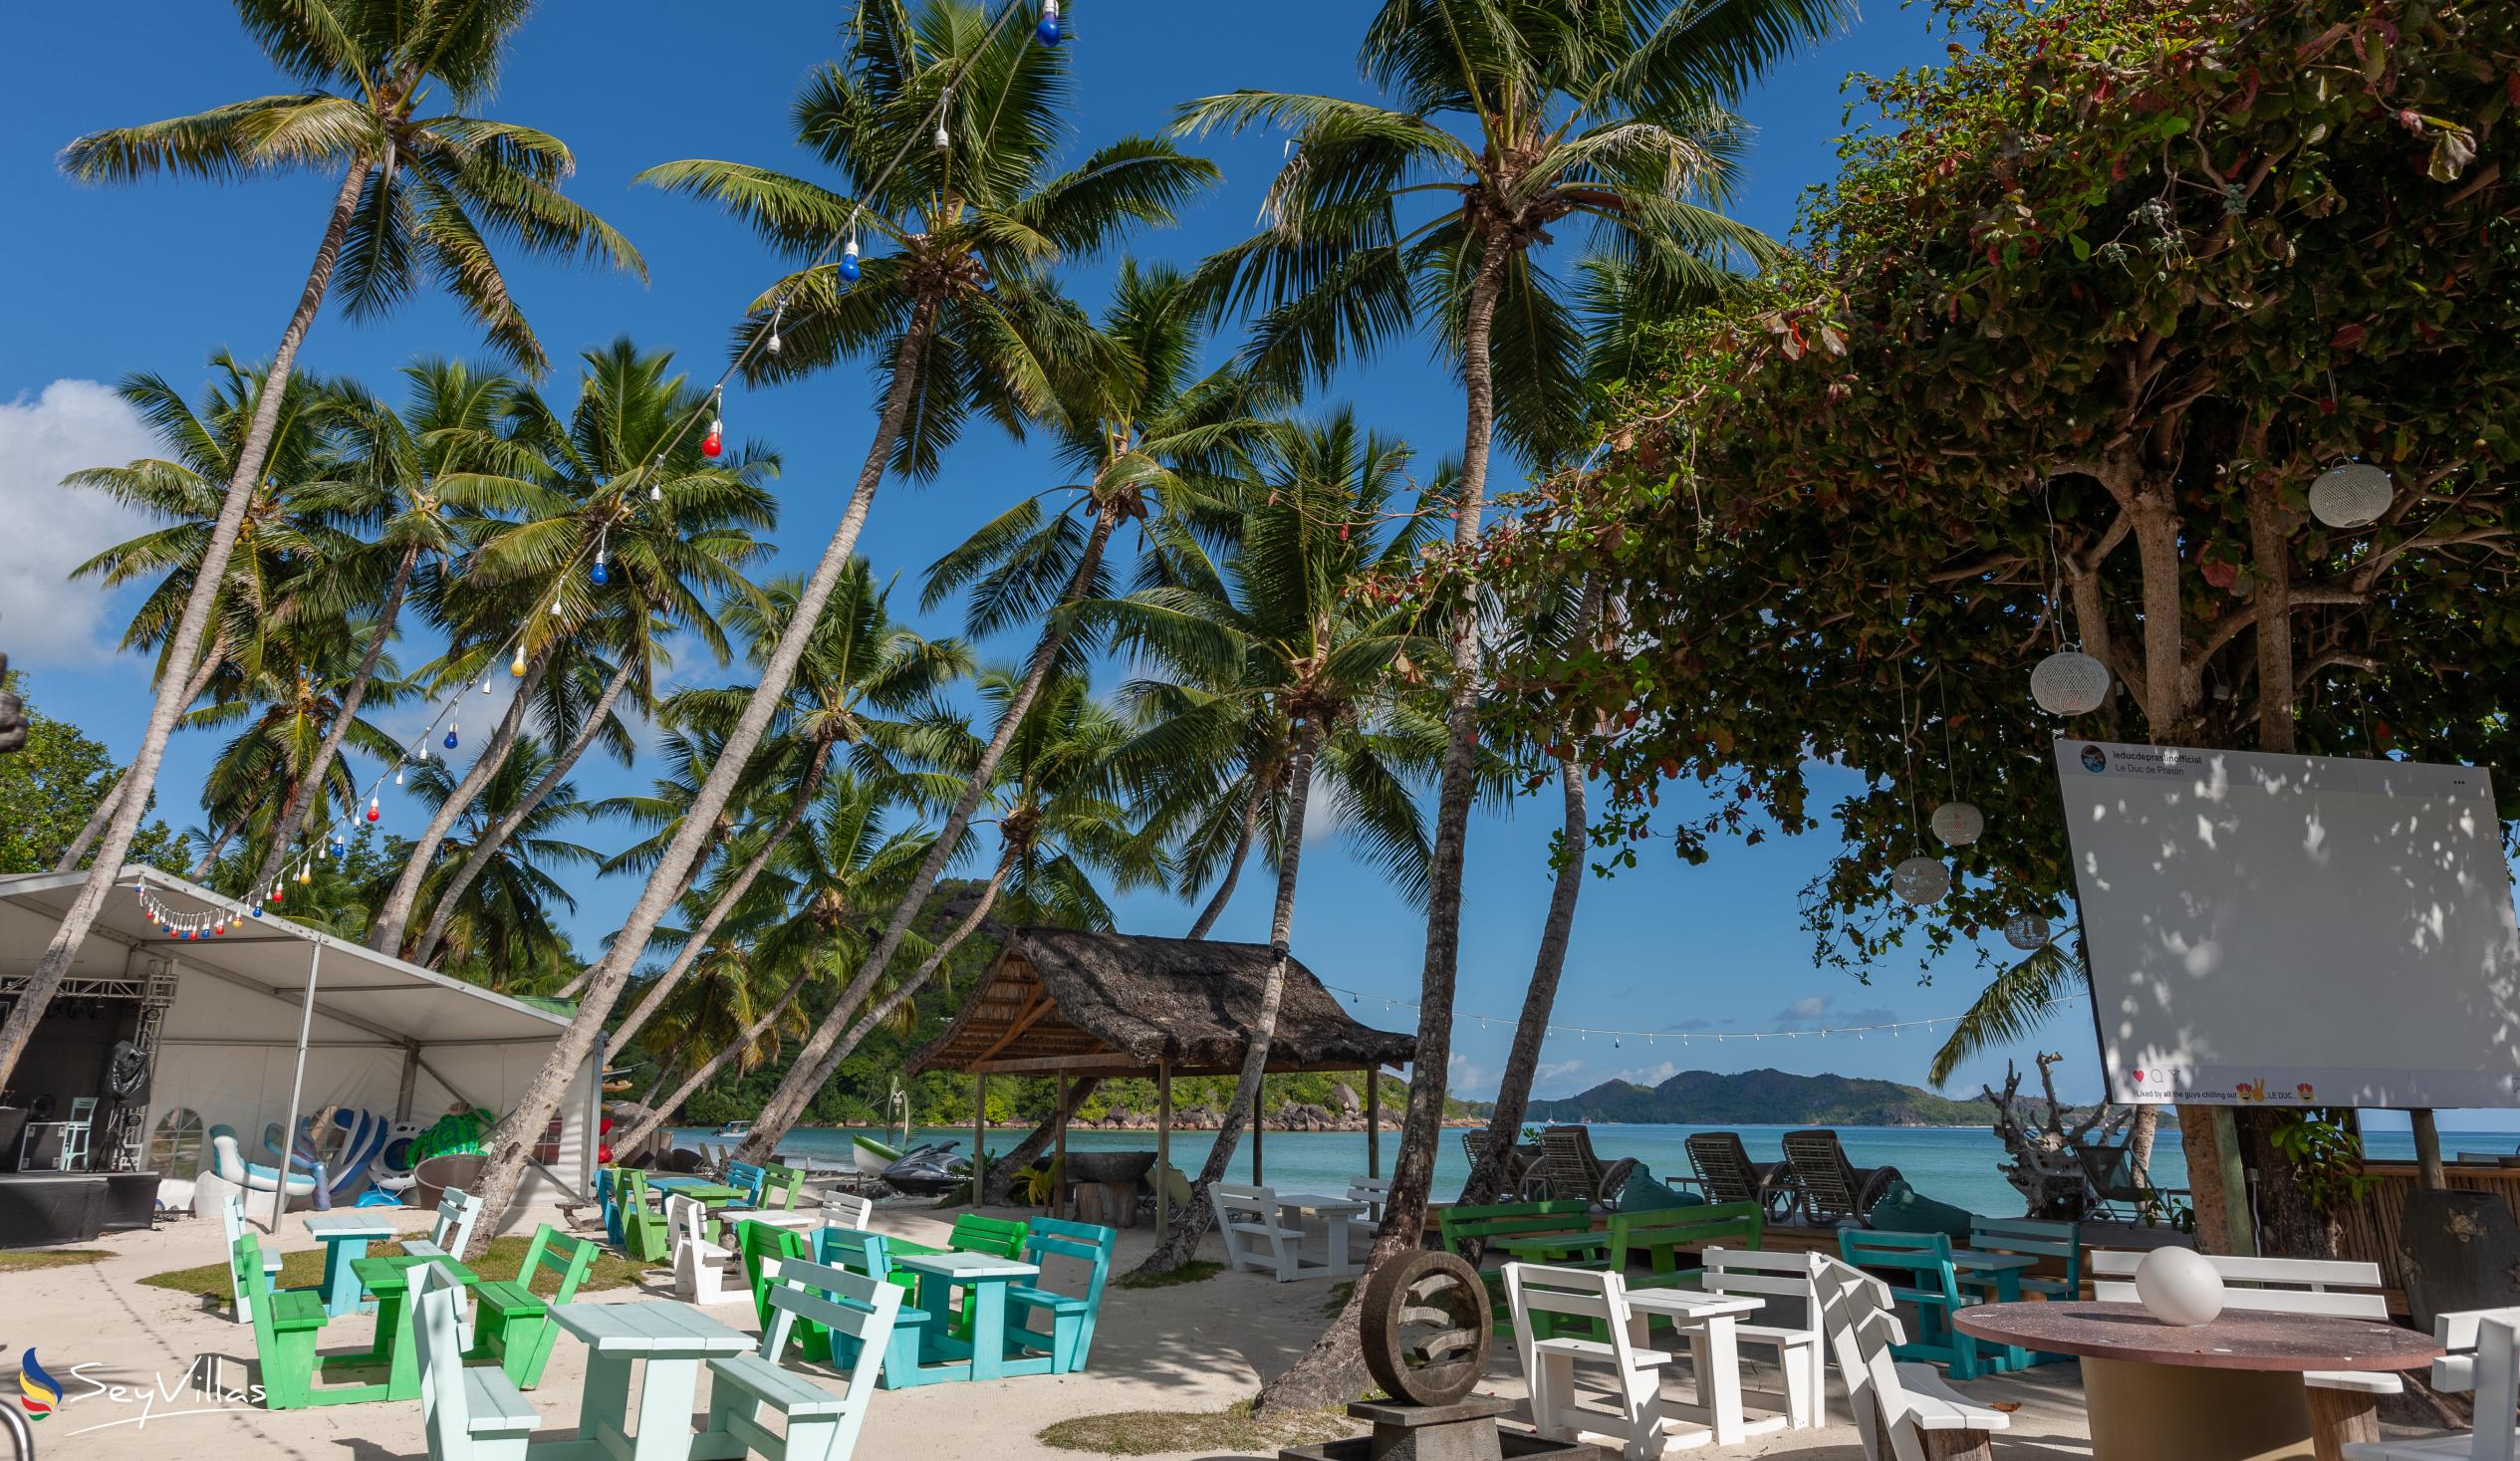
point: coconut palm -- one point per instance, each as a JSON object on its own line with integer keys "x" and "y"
{"x": 1565, "y": 109}
{"x": 958, "y": 307}
{"x": 1144, "y": 433}
{"x": 502, "y": 930}
{"x": 421, "y": 194}
{"x": 671, "y": 532}
{"x": 2013, "y": 1006}
{"x": 397, "y": 475}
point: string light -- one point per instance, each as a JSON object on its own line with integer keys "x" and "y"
{"x": 849, "y": 266}
{"x": 450, "y": 735}
{"x": 1583, "y": 1033}
{"x": 656, "y": 483}
{"x": 516, "y": 667}
{"x": 377, "y": 805}
{"x": 1048, "y": 31}
{"x": 715, "y": 440}
{"x": 777, "y": 312}
{"x": 597, "y": 574}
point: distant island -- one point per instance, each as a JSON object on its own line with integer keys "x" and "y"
{"x": 1764, "y": 1098}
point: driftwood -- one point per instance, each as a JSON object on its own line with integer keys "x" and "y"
{"x": 2044, "y": 1167}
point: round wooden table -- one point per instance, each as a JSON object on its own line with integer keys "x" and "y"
{"x": 2230, "y": 1390}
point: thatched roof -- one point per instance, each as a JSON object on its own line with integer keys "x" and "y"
{"x": 1116, "y": 1004}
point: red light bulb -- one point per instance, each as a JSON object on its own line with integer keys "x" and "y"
{"x": 375, "y": 808}
{"x": 716, "y": 442}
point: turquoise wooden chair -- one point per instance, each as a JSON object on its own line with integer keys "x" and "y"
{"x": 746, "y": 1178}
{"x": 608, "y": 1193}
{"x": 232, "y": 1225}
{"x": 2035, "y": 1238}
{"x": 467, "y": 1413}
{"x": 858, "y": 1312}
{"x": 869, "y": 1255}
{"x": 1068, "y": 1337}
{"x": 1933, "y": 1287}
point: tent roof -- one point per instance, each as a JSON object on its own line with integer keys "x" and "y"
{"x": 1117, "y": 1004}
{"x": 357, "y": 986}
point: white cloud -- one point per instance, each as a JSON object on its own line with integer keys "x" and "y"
{"x": 1321, "y": 816}
{"x": 43, "y": 618}
{"x": 1466, "y": 1077}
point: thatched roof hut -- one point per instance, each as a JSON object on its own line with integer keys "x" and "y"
{"x": 1064, "y": 1001}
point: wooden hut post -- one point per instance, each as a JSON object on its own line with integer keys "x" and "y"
{"x": 1259, "y": 1118}
{"x": 1372, "y": 1122}
{"x": 1163, "y": 1146}
{"x": 1059, "y": 1160}
{"x": 979, "y": 1137}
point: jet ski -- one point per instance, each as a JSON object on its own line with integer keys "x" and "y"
{"x": 929, "y": 1170}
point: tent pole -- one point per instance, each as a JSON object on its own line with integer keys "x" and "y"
{"x": 1059, "y": 1160}
{"x": 1372, "y": 1122}
{"x": 979, "y": 1137}
{"x": 297, "y": 1086}
{"x": 1163, "y": 1146}
{"x": 410, "y": 1080}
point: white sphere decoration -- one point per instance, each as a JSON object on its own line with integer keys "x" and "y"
{"x": 2350, "y": 496}
{"x": 2068, "y": 682}
{"x": 2177, "y": 1286}
{"x": 1959, "y": 823}
{"x": 1921, "y": 879}
{"x": 2026, "y": 931}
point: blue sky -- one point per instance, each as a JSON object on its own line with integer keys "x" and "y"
{"x": 155, "y": 278}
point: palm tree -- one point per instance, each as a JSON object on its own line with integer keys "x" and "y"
{"x": 391, "y": 492}
{"x": 859, "y": 671}
{"x": 2013, "y": 1006}
{"x": 184, "y": 486}
{"x": 502, "y": 929}
{"x": 671, "y": 526}
{"x": 1567, "y": 109}
{"x": 420, "y": 194}
{"x": 960, "y": 307}
{"x": 1285, "y": 674}
{"x": 1144, "y": 433}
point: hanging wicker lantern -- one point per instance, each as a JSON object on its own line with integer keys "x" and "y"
{"x": 2350, "y": 496}
{"x": 2068, "y": 682}
{"x": 1921, "y": 879}
{"x": 2027, "y": 933}
{"x": 1959, "y": 823}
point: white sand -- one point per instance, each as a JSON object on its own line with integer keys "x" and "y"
{"x": 1192, "y": 1346}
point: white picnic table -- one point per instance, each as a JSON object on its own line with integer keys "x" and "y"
{"x": 1707, "y": 1321}
{"x": 673, "y": 1341}
{"x": 1330, "y": 1216}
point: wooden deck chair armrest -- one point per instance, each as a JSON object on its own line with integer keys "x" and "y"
{"x": 1614, "y": 1178}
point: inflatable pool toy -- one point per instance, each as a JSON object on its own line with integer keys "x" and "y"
{"x": 230, "y": 1164}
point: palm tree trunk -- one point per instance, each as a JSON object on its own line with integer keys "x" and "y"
{"x": 513, "y": 1140}
{"x": 1190, "y": 1220}
{"x": 586, "y": 975}
{"x": 1522, "y": 1061}
{"x": 816, "y": 1063}
{"x": 498, "y": 836}
{"x": 210, "y": 858}
{"x": 386, "y": 936}
{"x": 707, "y": 1070}
{"x": 1262, "y": 786}
{"x": 1000, "y": 1189}
{"x": 664, "y": 1071}
{"x": 99, "y": 819}
{"x": 873, "y": 1019}
{"x": 1335, "y": 1367}
{"x": 293, "y": 816}
{"x": 726, "y": 901}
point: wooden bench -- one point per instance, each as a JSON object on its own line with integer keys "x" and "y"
{"x": 858, "y": 1313}
{"x": 470, "y": 1412}
{"x": 1458, "y": 1226}
{"x": 2335, "y": 1288}
{"x": 1802, "y": 1359}
{"x": 514, "y": 1325}
{"x": 1901, "y": 1410}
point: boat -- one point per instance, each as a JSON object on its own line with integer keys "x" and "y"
{"x": 929, "y": 1170}
{"x": 735, "y": 1128}
{"x": 873, "y": 1157}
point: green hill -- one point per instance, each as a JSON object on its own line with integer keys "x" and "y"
{"x": 1765, "y": 1098}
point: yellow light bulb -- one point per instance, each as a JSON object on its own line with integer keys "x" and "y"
{"x": 516, "y": 666}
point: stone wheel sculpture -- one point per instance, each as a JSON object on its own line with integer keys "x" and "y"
{"x": 1426, "y": 1329}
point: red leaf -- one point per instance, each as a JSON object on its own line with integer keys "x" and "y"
{"x": 2349, "y": 337}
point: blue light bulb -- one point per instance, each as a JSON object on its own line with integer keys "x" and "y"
{"x": 848, "y": 269}
{"x": 1048, "y": 31}
{"x": 451, "y": 738}
{"x": 597, "y": 574}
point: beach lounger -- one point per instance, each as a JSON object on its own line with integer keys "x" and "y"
{"x": 1725, "y": 1174}
{"x": 1569, "y": 1168}
{"x": 1835, "y": 1190}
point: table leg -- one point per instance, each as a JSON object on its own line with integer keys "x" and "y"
{"x": 1335, "y": 1244}
{"x": 2144, "y": 1412}
{"x": 1718, "y": 1363}
{"x": 606, "y": 1396}
{"x": 2008, "y": 1291}
{"x": 988, "y": 1327}
{"x": 340, "y": 1286}
{"x": 666, "y": 1395}
{"x": 2339, "y": 1418}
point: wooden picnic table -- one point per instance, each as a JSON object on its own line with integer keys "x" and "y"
{"x": 1330, "y": 1216}
{"x": 388, "y": 1278}
{"x": 986, "y": 1275}
{"x": 2229, "y": 1390}
{"x": 673, "y": 1341}
{"x": 346, "y": 1236}
{"x": 1715, "y": 1358}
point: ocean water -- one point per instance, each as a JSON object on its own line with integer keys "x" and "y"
{"x": 1954, "y": 1165}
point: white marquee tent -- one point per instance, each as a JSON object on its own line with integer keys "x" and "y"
{"x": 385, "y": 1036}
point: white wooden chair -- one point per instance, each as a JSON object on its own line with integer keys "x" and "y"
{"x": 845, "y": 1210}
{"x": 1802, "y": 1358}
{"x": 2332, "y": 1288}
{"x": 2496, "y": 1377}
{"x": 1549, "y": 1364}
{"x": 1255, "y": 1235}
{"x": 1902, "y": 1412}
{"x": 469, "y": 1413}
{"x": 1375, "y": 1194}
{"x": 232, "y": 1226}
{"x": 2459, "y": 1333}
{"x": 451, "y": 1233}
{"x": 703, "y": 1270}
{"x": 819, "y": 1426}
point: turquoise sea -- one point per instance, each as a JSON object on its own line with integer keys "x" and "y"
{"x": 1955, "y": 1164}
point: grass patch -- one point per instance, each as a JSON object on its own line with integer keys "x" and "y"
{"x": 1234, "y": 1428}
{"x": 1195, "y": 1271}
{"x": 29, "y": 1259}
{"x": 1338, "y": 1299}
{"x": 304, "y": 1269}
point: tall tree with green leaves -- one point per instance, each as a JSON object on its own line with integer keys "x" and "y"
{"x": 503, "y": 931}
{"x": 1506, "y": 120}
{"x": 958, "y": 309}
{"x": 421, "y": 194}
{"x": 53, "y": 782}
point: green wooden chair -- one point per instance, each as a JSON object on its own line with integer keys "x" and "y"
{"x": 1930, "y": 1283}
{"x": 286, "y": 1323}
{"x": 1457, "y": 1225}
{"x": 997, "y": 1237}
{"x": 512, "y": 1325}
{"x": 779, "y": 1188}
{"x": 646, "y": 1236}
{"x": 1069, "y": 1339}
{"x": 232, "y": 1225}
{"x": 2033, "y": 1237}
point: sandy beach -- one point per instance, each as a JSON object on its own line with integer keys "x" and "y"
{"x": 1196, "y": 1347}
